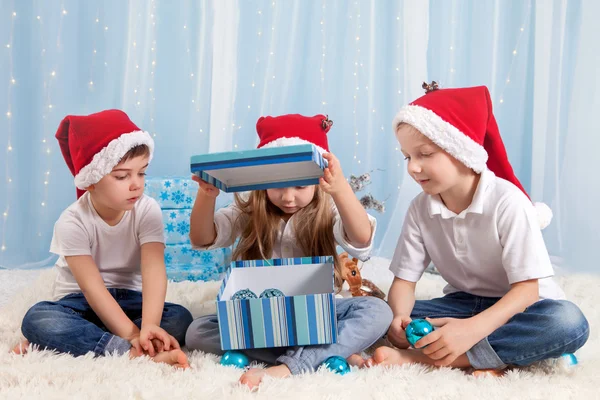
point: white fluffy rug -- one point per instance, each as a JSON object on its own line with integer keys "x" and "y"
{"x": 45, "y": 375}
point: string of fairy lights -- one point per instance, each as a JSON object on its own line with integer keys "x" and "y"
{"x": 323, "y": 49}
{"x": 9, "y": 129}
{"x": 95, "y": 35}
{"x": 51, "y": 80}
{"x": 515, "y": 52}
{"x": 357, "y": 64}
{"x": 263, "y": 73}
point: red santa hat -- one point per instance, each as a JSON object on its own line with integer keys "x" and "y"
{"x": 291, "y": 129}
{"x": 462, "y": 123}
{"x": 92, "y": 145}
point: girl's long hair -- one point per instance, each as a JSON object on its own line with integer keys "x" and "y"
{"x": 259, "y": 226}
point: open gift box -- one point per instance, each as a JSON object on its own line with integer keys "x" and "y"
{"x": 304, "y": 316}
{"x": 264, "y": 168}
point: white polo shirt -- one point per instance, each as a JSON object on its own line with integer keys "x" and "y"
{"x": 492, "y": 244}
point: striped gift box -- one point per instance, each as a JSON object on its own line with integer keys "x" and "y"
{"x": 305, "y": 316}
{"x": 276, "y": 167}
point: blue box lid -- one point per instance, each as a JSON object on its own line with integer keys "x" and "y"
{"x": 275, "y": 167}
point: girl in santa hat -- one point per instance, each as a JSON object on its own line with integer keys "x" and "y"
{"x": 293, "y": 222}
{"x": 477, "y": 225}
{"x": 109, "y": 242}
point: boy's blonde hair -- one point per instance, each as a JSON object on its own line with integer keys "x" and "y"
{"x": 259, "y": 225}
{"x": 411, "y": 129}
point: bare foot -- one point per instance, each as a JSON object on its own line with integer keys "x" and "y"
{"x": 176, "y": 358}
{"x": 387, "y": 356}
{"x": 356, "y": 360}
{"x": 254, "y": 376}
{"x": 21, "y": 348}
{"x": 482, "y": 373}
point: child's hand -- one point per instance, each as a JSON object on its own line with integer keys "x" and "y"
{"x": 452, "y": 338}
{"x": 397, "y": 332}
{"x": 152, "y": 333}
{"x": 206, "y": 188}
{"x": 333, "y": 180}
{"x": 136, "y": 346}
{"x": 159, "y": 346}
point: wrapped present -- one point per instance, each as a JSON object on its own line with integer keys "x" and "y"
{"x": 264, "y": 168}
{"x": 185, "y": 263}
{"x": 178, "y": 193}
{"x": 172, "y": 192}
{"x": 176, "y": 198}
{"x": 304, "y": 316}
{"x": 184, "y": 254}
{"x": 177, "y": 225}
{"x": 188, "y": 272}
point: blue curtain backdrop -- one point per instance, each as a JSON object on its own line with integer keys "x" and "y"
{"x": 198, "y": 74}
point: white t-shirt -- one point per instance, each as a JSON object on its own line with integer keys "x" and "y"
{"x": 492, "y": 244}
{"x": 116, "y": 250}
{"x": 286, "y": 245}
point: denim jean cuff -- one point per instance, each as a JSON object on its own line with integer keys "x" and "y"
{"x": 296, "y": 366}
{"x": 483, "y": 356}
{"x": 111, "y": 344}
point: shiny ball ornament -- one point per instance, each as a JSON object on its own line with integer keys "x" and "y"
{"x": 337, "y": 364}
{"x": 570, "y": 359}
{"x": 235, "y": 358}
{"x": 417, "y": 329}
{"x": 267, "y": 293}
{"x": 244, "y": 294}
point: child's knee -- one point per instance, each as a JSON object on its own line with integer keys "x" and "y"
{"x": 203, "y": 334}
{"x": 40, "y": 319}
{"x": 378, "y": 312}
{"x": 176, "y": 321}
{"x": 383, "y": 314}
{"x": 571, "y": 321}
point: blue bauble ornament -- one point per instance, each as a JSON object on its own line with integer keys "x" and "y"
{"x": 235, "y": 358}
{"x": 417, "y": 329}
{"x": 243, "y": 295}
{"x": 271, "y": 293}
{"x": 337, "y": 364}
{"x": 570, "y": 359}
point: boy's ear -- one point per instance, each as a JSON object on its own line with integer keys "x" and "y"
{"x": 90, "y": 188}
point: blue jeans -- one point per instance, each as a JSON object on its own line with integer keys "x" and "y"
{"x": 69, "y": 325}
{"x": 361, "y": 322}
{"x": 546, "y": 329}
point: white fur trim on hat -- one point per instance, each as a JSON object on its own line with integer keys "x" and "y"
{"x": 290, "y": 141}
{"x": 106, "y": 159}
{"x": 445, "y": 135}
{"x": 544, "y": 214}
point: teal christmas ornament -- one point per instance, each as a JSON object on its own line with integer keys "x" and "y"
{"x": 244, "y": 294}
{"x": 417, "y": 329}
{"x": 570, "y": 359}
{"x": 271, "y": 293}
{"x": 235, "y": 358}
{"x": 337, "y": 364}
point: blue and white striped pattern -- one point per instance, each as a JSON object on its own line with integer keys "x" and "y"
{"x": 269, "y": 156}
{"x": 276, "y": 262}
{"x": 277, "y": 321}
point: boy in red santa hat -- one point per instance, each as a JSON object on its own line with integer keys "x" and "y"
{"x": 477, "y": 225}
{"x": 109, "y": 242}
